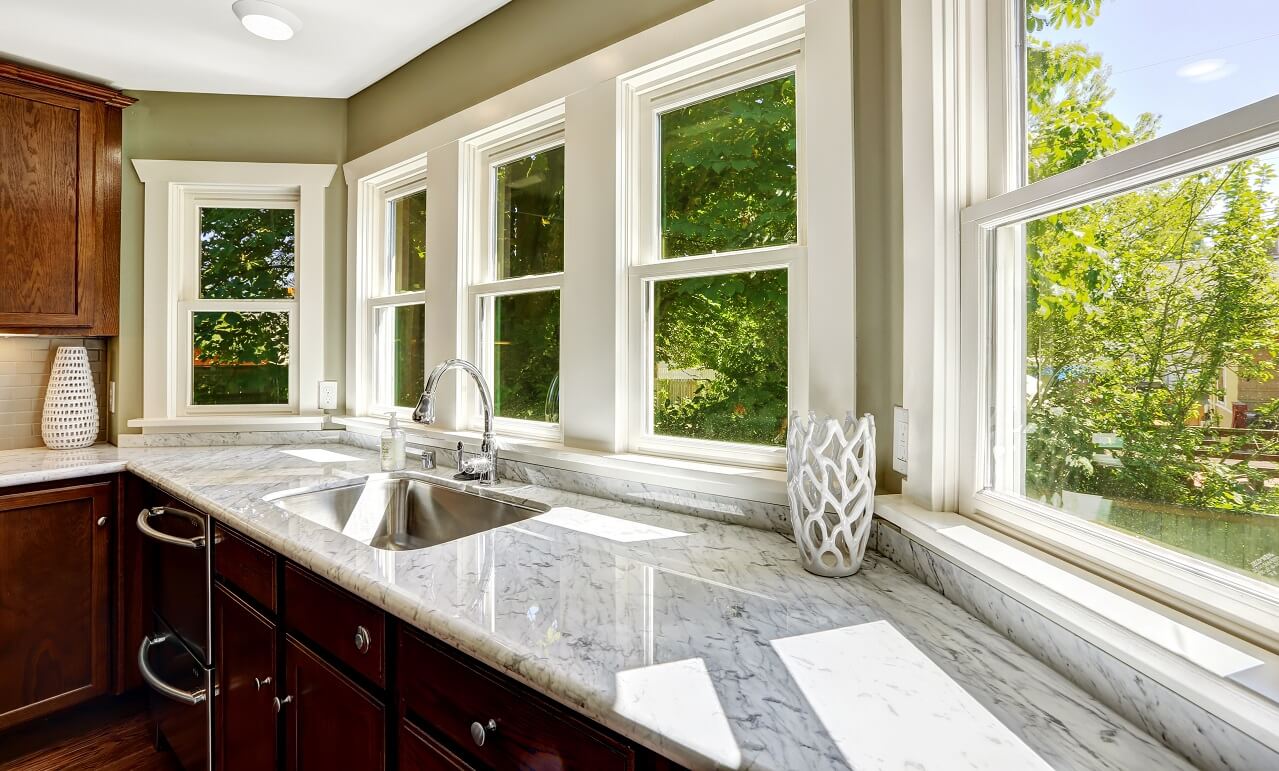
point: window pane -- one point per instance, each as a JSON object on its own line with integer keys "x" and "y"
{"x": 728, "y": 171}
{"x": 246, "y": 254}
{"x": 401, "y": 368}
{"x": 1151, "y": 398}
{"x": 719, "y": 347}
{"x": 1101, "y": 76}
{"x": 407, "y": 243}
{"x": 530, "y": 214}
{"x": 240, "y": 358}
{"x": 526, "y": 355}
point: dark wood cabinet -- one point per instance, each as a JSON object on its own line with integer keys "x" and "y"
{"x": 55, "y": 591}
{"x": 59, "y": 204}
{"x": 245, "y": 724}
{"x": 329, "y": 721}
{"x": 420, "y": 752}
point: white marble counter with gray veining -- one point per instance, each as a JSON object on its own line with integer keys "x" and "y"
{"x": 704, "y": 641}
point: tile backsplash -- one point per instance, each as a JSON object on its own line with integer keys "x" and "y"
{"x": 25, "y": 365}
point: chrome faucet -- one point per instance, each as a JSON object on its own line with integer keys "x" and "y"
{"x": 483, "y": 465}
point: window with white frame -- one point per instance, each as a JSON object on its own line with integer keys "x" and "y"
{"x": 386, "y": 332}
{"x": 234, "y": 267}
{"x": 515, "y": 184}
{"x": 1124, "y": 287}
{"x": 719, "y": 227}
{"x": 397, "y": 307}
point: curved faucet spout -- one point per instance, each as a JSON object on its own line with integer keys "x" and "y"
{"x": 425, "y": 410}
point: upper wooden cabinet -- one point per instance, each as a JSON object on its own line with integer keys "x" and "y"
{"x": 59, "y": 204}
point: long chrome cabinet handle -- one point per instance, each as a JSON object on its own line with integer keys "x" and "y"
{"x": 197, "y": 542}
{"x": 177, "y": 694}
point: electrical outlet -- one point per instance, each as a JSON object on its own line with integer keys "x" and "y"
{"x": 328, "y": 397}
{"x": 901, "y": 430}
{"x": 111, "y": 397}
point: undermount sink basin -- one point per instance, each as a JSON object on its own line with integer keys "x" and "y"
{"x": 400, "y": 511}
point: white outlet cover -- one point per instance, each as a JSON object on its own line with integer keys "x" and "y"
{"x": 901, "y": 430}
{"x": 328, "y": 395}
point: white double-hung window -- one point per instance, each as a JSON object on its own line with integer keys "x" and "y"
{"x": 387, "y": 327}
{"x": 1121, "y": 301}
{"x": 234, "y": 263}
{"x": 717, "y": 240}
{"x": 513, "y": 248}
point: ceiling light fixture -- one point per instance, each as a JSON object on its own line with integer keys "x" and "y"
{"x": 266, "y": 20}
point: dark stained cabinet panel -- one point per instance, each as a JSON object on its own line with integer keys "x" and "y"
{"x": 329, "y": 721}
{"x": 451, "y": 694}
{"x": 39, "y": 182}
{"x": 59, "y": 204}
{"x": 420, "y": 752}
{"x": 54, "y": 599}
{"x": 245, "y": 724}
{"x": 339, "y": 623}
{"x": 247, "y": 566}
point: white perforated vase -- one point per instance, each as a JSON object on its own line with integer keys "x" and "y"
{"x": 70, "y": 417}
{"x": 831, "y": 486}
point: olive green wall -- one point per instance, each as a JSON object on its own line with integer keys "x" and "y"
{"x": 217, "y": 127}
{"x": 516, "y": 43}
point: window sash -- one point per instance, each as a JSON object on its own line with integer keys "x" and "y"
{"x": 186, "y": 374}
{"x": 993, "y": 277}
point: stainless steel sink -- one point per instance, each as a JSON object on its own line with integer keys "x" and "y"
{"x": 400, "y": 511}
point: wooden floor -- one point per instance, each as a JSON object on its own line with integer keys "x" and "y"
{"x": 108, "y": 735}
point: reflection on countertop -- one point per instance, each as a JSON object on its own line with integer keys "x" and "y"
{"x": 704, "y": 641}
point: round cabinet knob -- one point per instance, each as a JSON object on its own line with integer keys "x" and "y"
{"x": 258, "y": 682}
{"x": 362, "y": 639}
{"x": 102, "y": 521}
{"x": 480, "y": 733}
{"x": 279, "y": 703}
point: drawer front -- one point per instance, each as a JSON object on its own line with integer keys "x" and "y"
{"x": 459, "y": 700}
{"x": 345, "y": 627}
{"x": 246, "y": 565}
{"x": 419, "y": 752}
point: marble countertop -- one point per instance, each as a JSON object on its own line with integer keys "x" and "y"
{"x": 703, "y": 641}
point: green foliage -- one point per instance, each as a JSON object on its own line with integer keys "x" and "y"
{"x": 530, "y": 205}
{"x": 526, "y": 355}
{"x": 242, "y": 358}
{"x": 734, "y": 326}
{"x": 1137, "y": 304}
{"x": 728, "y": 171}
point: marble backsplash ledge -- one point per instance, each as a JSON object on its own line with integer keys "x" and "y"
{"x": 25, "y": 366}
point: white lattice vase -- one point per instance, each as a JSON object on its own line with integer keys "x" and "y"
{"x": 70, "y": 417}
{"x": 831, "y": 486}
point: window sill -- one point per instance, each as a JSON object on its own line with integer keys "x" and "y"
{"x": 1229, "y": 677}
{"x": 228, "y": 423}
{"x": 764, "y": 485}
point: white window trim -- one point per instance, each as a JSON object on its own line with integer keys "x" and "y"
{"x": 958, "y": 70}
{"x": 172, "y": 194}
{"x": 366, "y": 272}
{"x": 594, "y": 297}
{"x": 481, "y": 154}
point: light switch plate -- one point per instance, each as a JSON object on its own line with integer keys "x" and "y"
{"x": 328, "y": 397}
{"x": 901, "y": 430}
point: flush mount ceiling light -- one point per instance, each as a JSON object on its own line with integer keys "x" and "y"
{"x": 266, "y": 20}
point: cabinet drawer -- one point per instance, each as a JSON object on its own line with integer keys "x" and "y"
{"x": 451, "y": 694}
{"x": 419, "y": 752}
{"x": 246, "y": 565}
{"x": 347, "y": 628}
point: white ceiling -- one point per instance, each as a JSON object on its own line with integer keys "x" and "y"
{"x": 199, "y": 45}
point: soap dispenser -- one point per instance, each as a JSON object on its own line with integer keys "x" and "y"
{"x": 393, "y": 445}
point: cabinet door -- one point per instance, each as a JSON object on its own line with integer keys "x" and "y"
{"x": 49, "y": 215}
{"x": 54, "y": 599}
{"x": 420, "y": 752}
{"x": 245, "y": 727}
{"x": 329, "y": 721}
